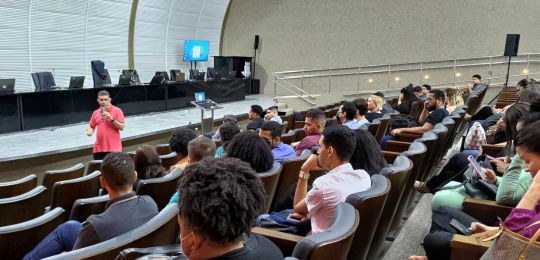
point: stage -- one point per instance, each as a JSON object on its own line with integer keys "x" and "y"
{"x": 67, "y": 138}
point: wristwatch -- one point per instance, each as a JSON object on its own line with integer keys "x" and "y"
{"x": 303, "y": 175}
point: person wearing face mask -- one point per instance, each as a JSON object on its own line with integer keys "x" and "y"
{"x": 109, "y": 120}
{"x": 215, "y": 217}
{"x": 271, "y": 133}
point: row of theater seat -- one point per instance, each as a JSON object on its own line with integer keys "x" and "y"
{"x": 380, "y": 208}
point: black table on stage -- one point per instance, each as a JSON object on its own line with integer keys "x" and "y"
{"x": 33, "y": 110}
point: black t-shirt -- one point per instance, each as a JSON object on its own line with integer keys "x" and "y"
{"x": 255, "y": 247}
{"x": 372, "y": 116}
{"x": 255, "y": 124}
{"x": 436, "y": 116}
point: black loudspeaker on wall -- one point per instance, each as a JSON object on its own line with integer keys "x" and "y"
{"x": 256, "y": 44}
{"x": 512, "y": 44}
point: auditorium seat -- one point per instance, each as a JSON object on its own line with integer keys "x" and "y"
{"x": 416, "y": 109}
{"x": 160, "y": 189}
{"x": 65, "y": 193}
{"x": 300, "y": 133}
{"x": 83, "y": 208}
{"x": 288, "y": 176}
{"x": 289, "y": 137}
{"x": 23, "y": 207}
{"x": 334, "y": 243}
{"x": 163, "y": 149}
{"x": 299, "y": 124}
{"x": 52, "y": 176}
{"x": 160, "y": 230}
{"x": 381, "y": 131}
{"x": 373, "y": 127}
{"x": 492, "y": 150}
{"x": 270, "y": 180}
{"x": 369, "y": 204}
{"x": 399, "y": 175}
{"x": 17, "y": 187}
{"x": 94, "y": 165}
{"x": 284, "y": 126}
{"x": 17, "y": 240}
{"x": 168, "y": 160}
{"x": 416, "y": 153}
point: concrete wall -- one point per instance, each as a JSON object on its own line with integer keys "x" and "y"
{"x": 301, "y": 34}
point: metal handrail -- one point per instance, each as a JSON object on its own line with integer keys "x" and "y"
{"x": 285, "y": 76}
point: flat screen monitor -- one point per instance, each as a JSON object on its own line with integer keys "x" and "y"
{"x": 200, "y": 97}
{"x": 76, "y": 82}
{"x": 195, "y": 50}
{"x": 7, "y": 86}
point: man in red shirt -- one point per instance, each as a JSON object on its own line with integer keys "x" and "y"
{"x": 110, "y": 120}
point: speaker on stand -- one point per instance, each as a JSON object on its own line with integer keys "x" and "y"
{"x": 254, "y": 83}
{"x": 510, "y": 49}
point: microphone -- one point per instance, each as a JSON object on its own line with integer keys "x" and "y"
{"x": 103, "y": 109}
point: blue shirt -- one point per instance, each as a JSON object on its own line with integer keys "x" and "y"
{"x": 282, "y": 151}
{"x": 362, "y": 123}
{"x": 351, "y": 124}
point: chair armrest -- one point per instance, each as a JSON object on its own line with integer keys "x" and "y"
{"x": 467, "y": 247}
{"x": 397, "y": 146}
{"x": 407, "y": 137}
{"x": 486, "y": 211}
{"x": 492, "y": 150}
{"x": 390, "y": 156}
{"x": 285, "y": 241}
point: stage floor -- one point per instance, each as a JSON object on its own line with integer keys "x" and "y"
{"x": 50, "y": 140}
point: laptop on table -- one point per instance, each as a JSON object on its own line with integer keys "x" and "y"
{"x": 7, "y": 86}
{"x": 76, "y": 82}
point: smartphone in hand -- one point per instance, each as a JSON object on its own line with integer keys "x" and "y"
{"x": 460, "y": 227}
{"x": 477, "y": 168}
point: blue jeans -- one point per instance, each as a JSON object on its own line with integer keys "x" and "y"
{"x": 61, "y": 239}
{"x": 385, "y": 139}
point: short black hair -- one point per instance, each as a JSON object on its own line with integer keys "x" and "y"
{"x": 477, "y": 76}
{"x": 427, "y": 86}
{"x": 257, "y": 110}
{"x": 349, "y": 109}
{"x": 378, "y": 93}
{"x": 227, "y": 131}
{"x": 103, "y": 93}
{"x": 315, "y": 114}
{"x": 230, "y": 119}
{"x": 249, "y": 147}
{"x": 439, "y": 94}
{"x": 361, "y": 106}
{"x": 220, "y": 198}
{"x": 117, "y": 169}
{"x": 527, "y": 137}
{"x": 274, "y": 128}
{"x": 530, "y": 94}
{"x": 180, "y": 138}
{"x": 417, "y": 89}
{"x": 342, "y": 139}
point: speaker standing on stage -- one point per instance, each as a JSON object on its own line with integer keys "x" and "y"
{"x": 109, "y": 120}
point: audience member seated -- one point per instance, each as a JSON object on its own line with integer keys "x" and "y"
{"x": 406, "y": 99}
{"x": 255, "y": 115}
{"x": 367, "y": 153}
{"x": 386, "y": 108}
{"x": 250, "y": 148}
{"x": 124, "y": 212}
{"x": 375, "y": 105}
{"x": 198, "y": 149}
{"x": 361, "y": 110}
{"x": 227, "y": 131}
{"x": 147, "y": 164}
{"x": 272, "y": 115}
{"x": 522, "y": 218}
{"x": 432, "y": 114}
{"x": 426, "y": 88}
{"x": 271, "y": 133}
{"x": 346, "y": 115}
{"x": 418, "y": 91}
{"x": 511, "y": 186}
{"x": 179, "y": 144}
{"x": 313, "y": 125}
{"x": 476, "y": 87}
{"x": 337, "y": 144}
{"x": 453, "y": 99}
{"x": 227, "y": 119}
{"x": 220, "y": 200}
{"x": 488, "y": 115}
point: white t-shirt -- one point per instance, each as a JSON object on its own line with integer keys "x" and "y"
{"x": 331, "y": 189}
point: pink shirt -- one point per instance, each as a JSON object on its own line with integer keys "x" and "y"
{"x": 306, "y": 143}
{"x": 107, "y": 136}
{"x": 331, "y": 189}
